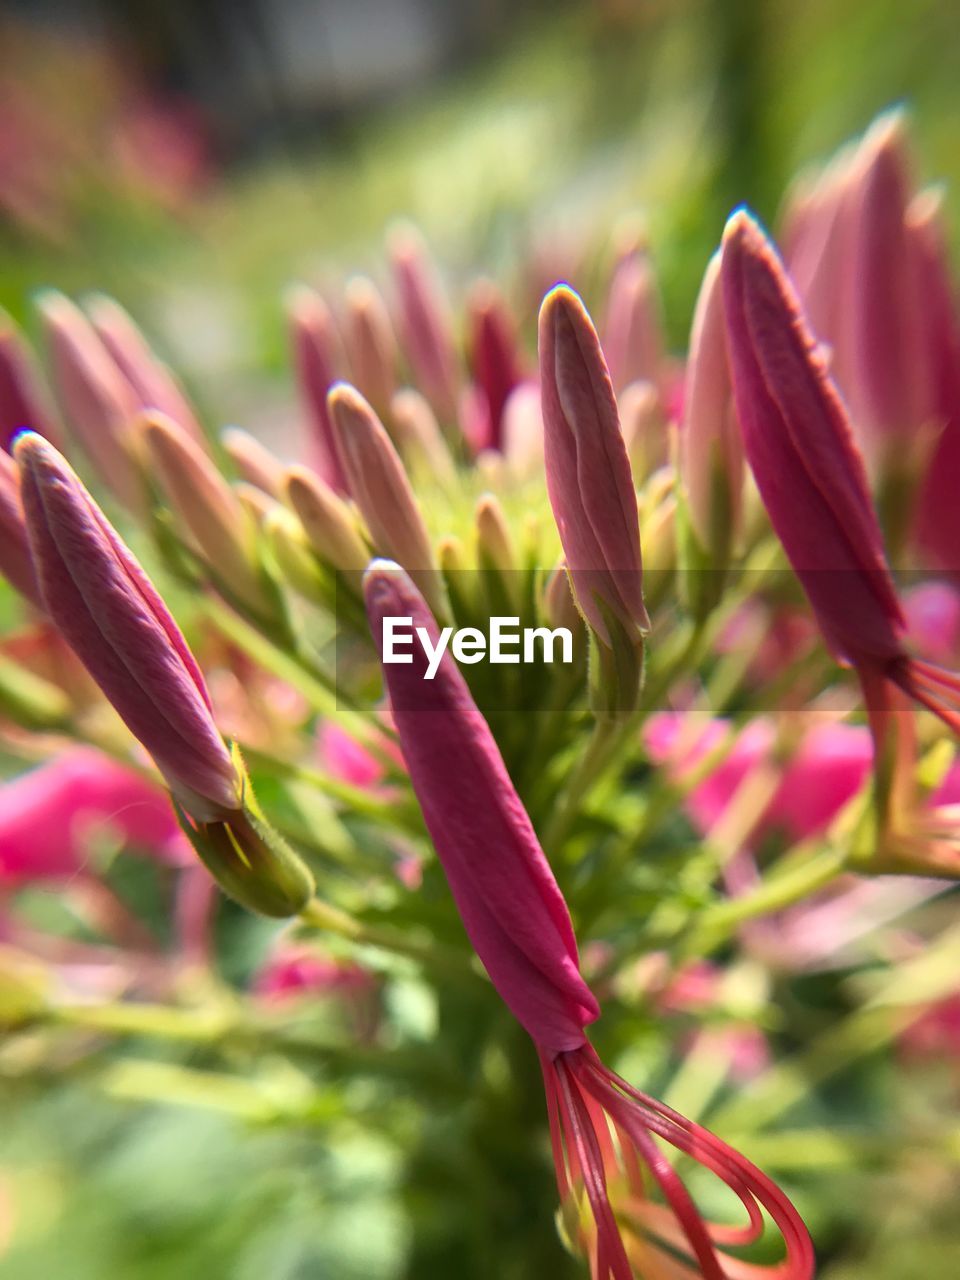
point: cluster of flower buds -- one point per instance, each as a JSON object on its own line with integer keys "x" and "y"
{"x": 453, "y": 481}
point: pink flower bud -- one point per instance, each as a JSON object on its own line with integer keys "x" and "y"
{"x": 255, "y": 463}
{"x": 370, "y": 342}
{"x": 508, "y": 899}
{"x": 22, "y": 401}
{"x": 16, "y": 564}
{"x": 711, "y": 455}
{"x": 327, "y": 520}
{"x": 588, "y": 472}
{"x": 495, "y": 359}
{"x": 110, "y": 613}
{"x": 423, "y": 320}
{"x": 632, "y": 331}
{"x": 314, "y": 341}
{"x": 153, "y": 385}
{"x": 379, "y": 486}
{"x": 97, "y": 400}
{"x": 892, "y": 384}
{"x": 812, "y": 480}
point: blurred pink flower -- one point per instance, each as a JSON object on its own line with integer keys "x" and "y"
{"x": 51, "y": 817}
{"x": 296, "y": 971}
{"x": 827, "y": 769}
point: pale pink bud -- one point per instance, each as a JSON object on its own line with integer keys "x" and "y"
{"x": 153, "y": 384}
{"x": 588, "y": 472}
{"x": 97, "y": 400}
{"x": 522, "y": 441}
{"x": 891, "y": 362}
{"x": 632, "y": 330}
{"x": 419, "y": 438}
{"x": 379, "y": 486}
{"x": 370, "y": 342}
{"x": 423, "y": 319}
{"x": 23, "y": 405}
{"x": 110, "y": 613}
{"x": 254, "y": 461}
{"x": 711, "y": 455}
{"x": 327, "y": 521}
{"x": 314, "y": 340}
{"x": 209, "y": 509}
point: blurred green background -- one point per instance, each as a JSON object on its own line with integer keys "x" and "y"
{"x": 519, "y": 141}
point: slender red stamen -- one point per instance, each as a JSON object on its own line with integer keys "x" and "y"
{"x": 589, "y": 1107}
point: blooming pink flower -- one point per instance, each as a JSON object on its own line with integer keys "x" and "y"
{"x": 826, "y": 770}
{"x": 811, "y": 477}
{"x": 50, "y": 818}
{"x": 588, "y": 472}
{"x": 519, "y": 925}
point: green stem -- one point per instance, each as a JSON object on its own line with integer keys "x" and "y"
{"x": 322, "y": 915}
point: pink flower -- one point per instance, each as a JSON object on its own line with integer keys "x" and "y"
{"x": 519, "y": 925}
{"x": 424, "y": 323}
{"x": 933, "y": 620}
{"x": 826, "y": 770}
{"x": 50, "y": 818}
{"x": 314, "y": 343}
{"x": 16, "y": 564}
{"x": 588, "y": 472}
{"x": 811, "y": 477}
{"x": 294, "y": 971}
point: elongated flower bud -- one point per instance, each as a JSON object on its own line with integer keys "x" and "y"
{"x": 811, "y": 476}
{"x": 210, "y": 510}
{"x": 327, "y": 521}
{"x": 893, "y": 393}
{"x": 522, "y": 435}
{"x": 519, "y": 925}
{"x": 419, "y": 438}
{"x": 23, "y": 405}
{"x": 313, "y": 338}
{"x": 588, "y": 472}
{"x": 423, "y": 319}
{"x": 154, "y": 386}
{"x": 16, "y": 564}
{"x": 379, "y": 486}
{"x": 255, "y": 463}
{"x": 495, "y": 359}
{"x": 711, "y": 456}
{"x": 112, "y": 616}
{"x": 96, "y": 399}
{"x": 370, "y": 342}
{"x": 632, "y": 331}
{"x": 503, "y": 886}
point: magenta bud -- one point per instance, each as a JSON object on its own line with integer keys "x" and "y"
{"x": 423, "y": 320}
{"x": 23, "y": 405}
{"x": 588, "y": 472}
{"x": 505, "y": 891}
{"x": 314, "y": 340}
{"x": 495, "y": 359}
{"x": 97, "y": 401}
{"x": 111, "y": 614}
{"x": 152, "y": 382}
